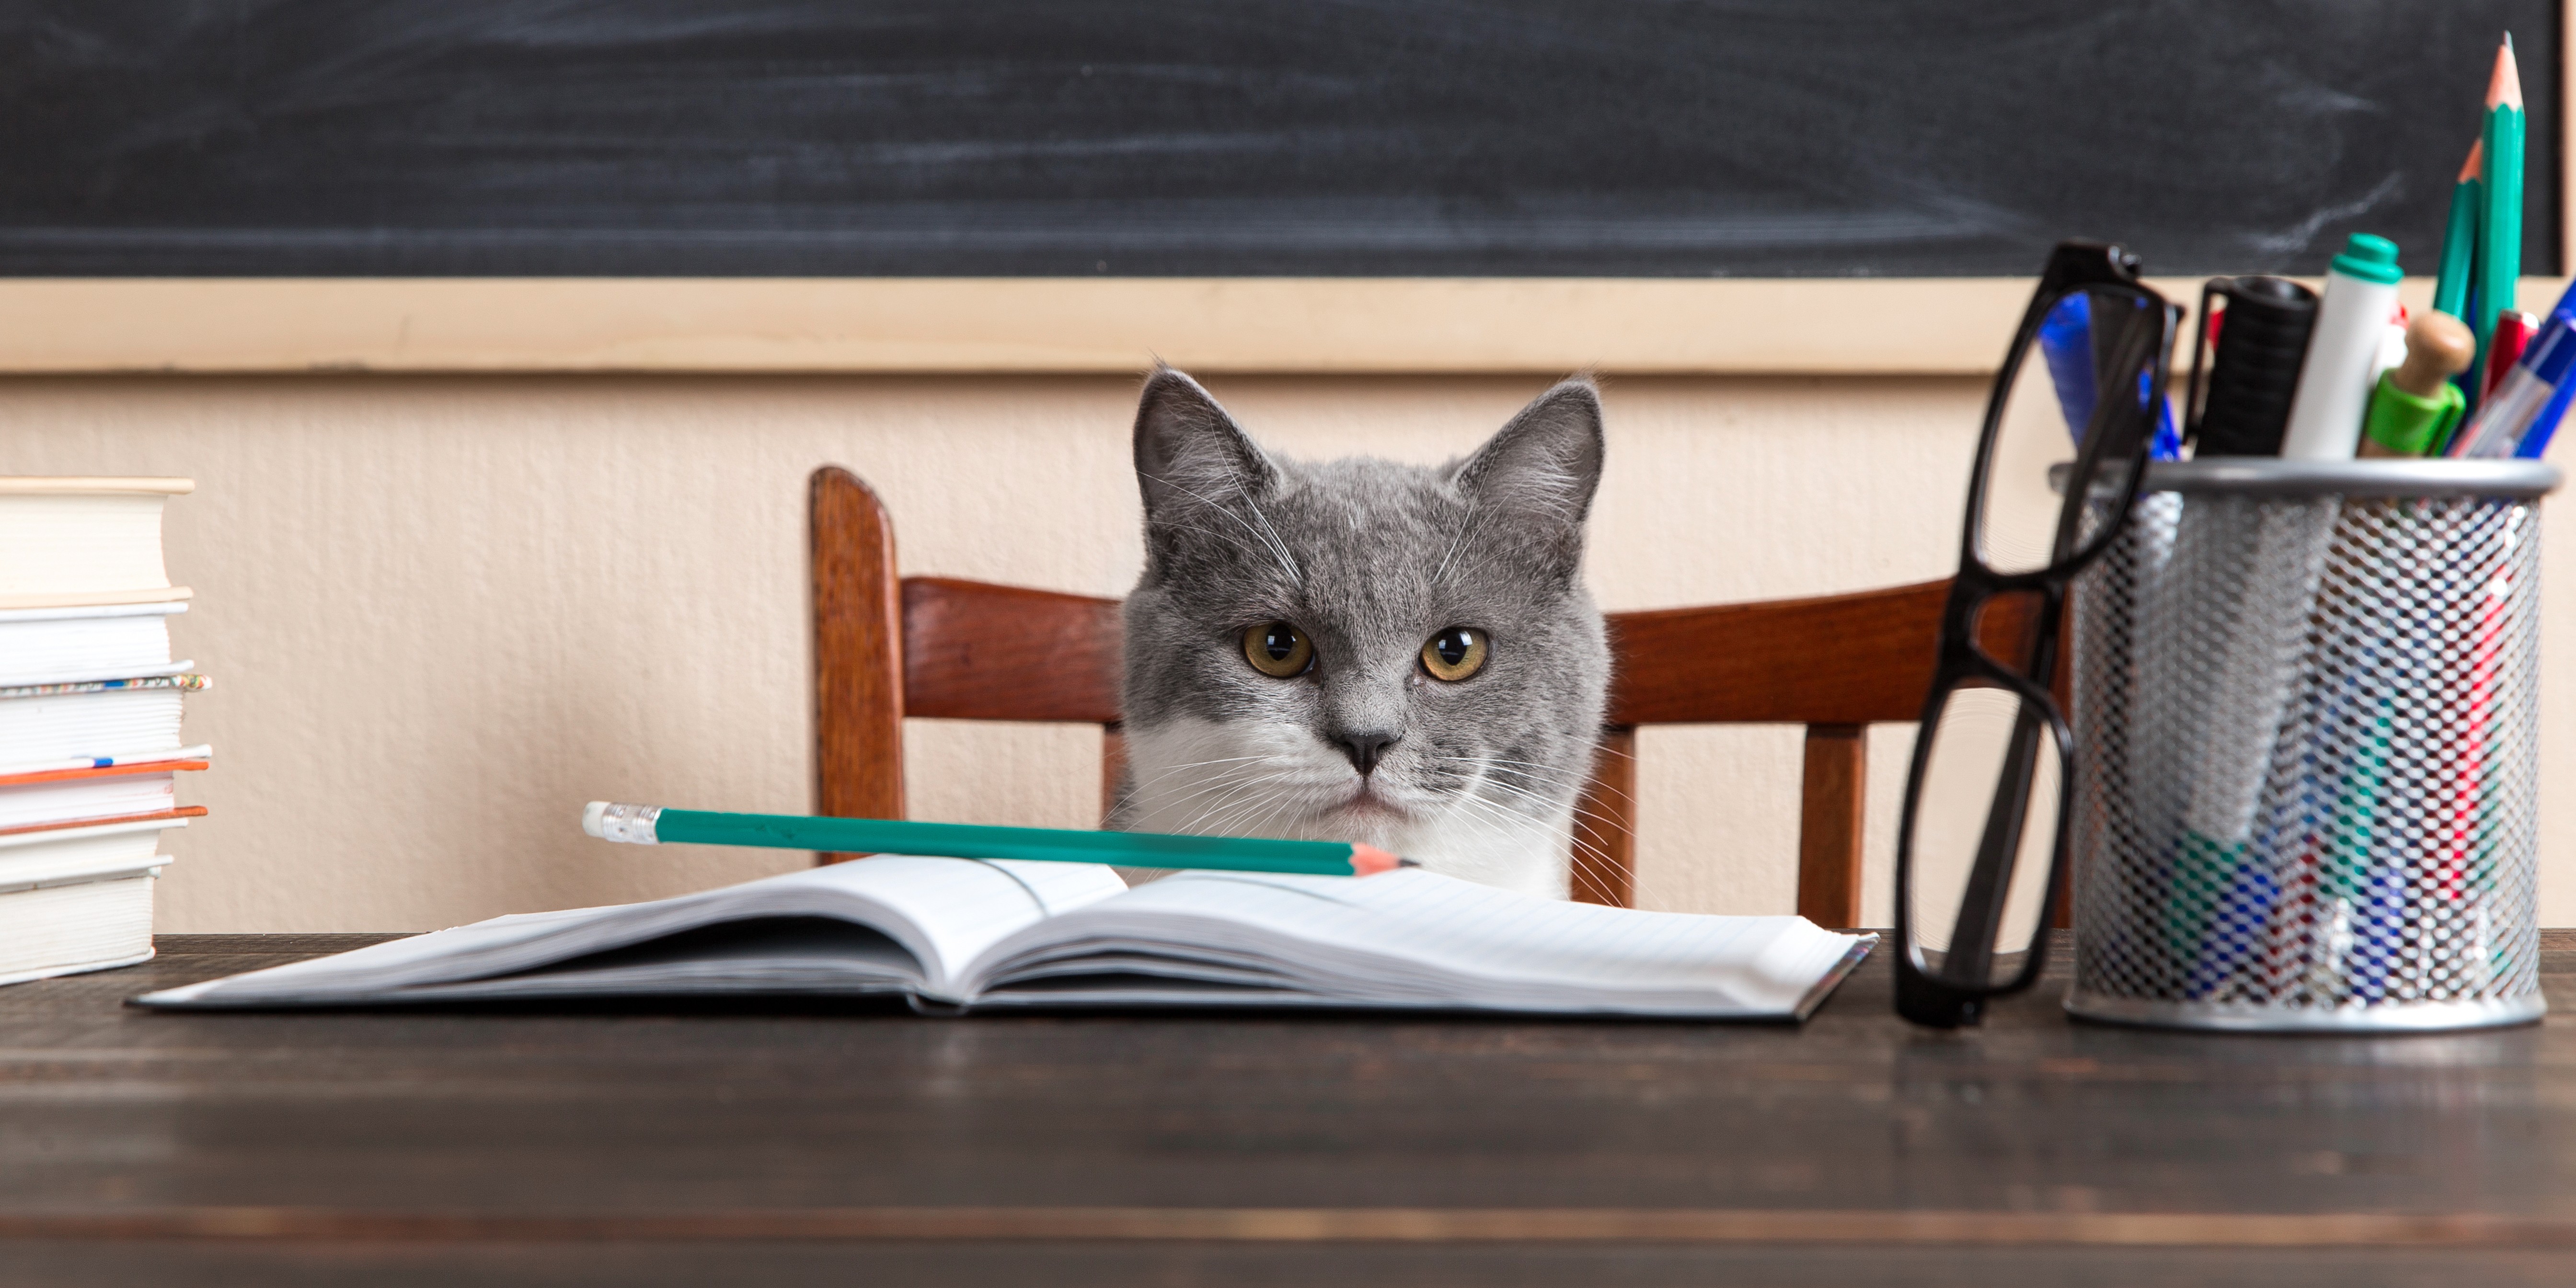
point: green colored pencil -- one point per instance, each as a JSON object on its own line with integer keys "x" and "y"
{"x": 2500, "y": 227}
{"x": 2460, "y": 236}
{"x": 654, "y": 825}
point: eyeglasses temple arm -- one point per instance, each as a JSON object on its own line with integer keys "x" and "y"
{"x": 1981, "y": 907}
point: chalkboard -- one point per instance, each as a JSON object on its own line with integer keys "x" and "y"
{"x": 1243, "y": 137}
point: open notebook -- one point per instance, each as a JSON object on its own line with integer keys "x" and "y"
{"x": 965, "y": 934}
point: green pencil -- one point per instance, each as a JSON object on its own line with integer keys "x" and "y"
{"x": 2500, "y": 227}
{"x": 654, "y": 825}
{"x": 2460, "y": 236}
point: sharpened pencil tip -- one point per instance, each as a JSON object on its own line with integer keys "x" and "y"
{"x": 2504, "y": 86}
{"x": 2477, "y": 158}
{"x": 1368, "y": 861}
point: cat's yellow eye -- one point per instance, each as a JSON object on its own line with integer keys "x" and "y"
{"x": 1277, "y": 648}
{"x": 1454, "y": 654}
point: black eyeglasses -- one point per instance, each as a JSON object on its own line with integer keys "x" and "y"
{"x": 1981, "y": 853}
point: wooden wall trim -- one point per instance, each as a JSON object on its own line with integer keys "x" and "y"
{"x": 1118, "y": 326}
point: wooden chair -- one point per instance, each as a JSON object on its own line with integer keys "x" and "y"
{"x": 886, "y": 648}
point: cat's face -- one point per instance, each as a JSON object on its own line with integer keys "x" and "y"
{"x": 1364, "y": 650}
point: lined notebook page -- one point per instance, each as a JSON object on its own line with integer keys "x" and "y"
{"x": 962, "y": 906}
{"x": 1417, "y": 937}
{"x": 943, "y": 911}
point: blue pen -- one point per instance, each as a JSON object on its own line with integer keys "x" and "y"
{"x": 2515, "y": 407}
{"x": 2535, "y": 440}
{"x": 2066, "y": 341}
{"x": 2168, "y": 441}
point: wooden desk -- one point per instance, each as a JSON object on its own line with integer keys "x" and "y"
{"x": 795, "y": 1147}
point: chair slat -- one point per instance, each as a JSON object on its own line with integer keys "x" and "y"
{"x": 858, "y": 658}
{"x": 1854, "y": 659}
{"x": 977, "y": 651}
{"x": 1830, "y": 820}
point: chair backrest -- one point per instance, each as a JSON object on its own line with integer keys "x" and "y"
{"x": 885, "y": 648}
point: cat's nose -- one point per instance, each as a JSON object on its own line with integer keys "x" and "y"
{"x": 1366, "y": 746}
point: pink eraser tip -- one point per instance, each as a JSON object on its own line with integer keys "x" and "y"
{"x": 1368, "y": 861}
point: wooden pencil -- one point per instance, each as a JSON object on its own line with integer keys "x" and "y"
{"x": 2460, "y": 235}
{"x": 654, "y": 825}
{"x": 2500, "y": 226}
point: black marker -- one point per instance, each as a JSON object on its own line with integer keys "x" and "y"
{"x": 2262, "y": 339}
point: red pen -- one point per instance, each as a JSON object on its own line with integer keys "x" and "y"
{"x": 2513, "y": 333}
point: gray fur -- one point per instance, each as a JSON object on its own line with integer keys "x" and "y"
{"x": 1370, "y": 558}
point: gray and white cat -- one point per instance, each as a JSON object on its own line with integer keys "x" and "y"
{"x": 1361, "y": 650}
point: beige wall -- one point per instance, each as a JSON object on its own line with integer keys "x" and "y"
{"x": 445, "y": 611}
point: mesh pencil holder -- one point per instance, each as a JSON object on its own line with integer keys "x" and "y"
{"x": 2306, "y": 709}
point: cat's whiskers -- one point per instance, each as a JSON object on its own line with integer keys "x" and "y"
{"x": 1277, "y": 542}
{"x": 1548, "y": 778}
{"x": 1645, "y": 891}
{"x": 1229, "y": 771}
{"x": 1168, "y": 770}
{"x": 1493, "y": 820}
{"x": 1138, "y": 787}
{"x": 1260, "y": 825}
{"x": 1465, "y": 524}
{"x": 1267, "y": 534}
{"x": 1576, "y": 875}
{"x": 1580, "y": 810}
{"x": 1227, "y": 800}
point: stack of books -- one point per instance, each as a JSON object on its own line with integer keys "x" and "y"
{"x": 90, "y": 750}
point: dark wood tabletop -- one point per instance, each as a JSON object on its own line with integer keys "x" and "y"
{"x": 813, "y": 1144}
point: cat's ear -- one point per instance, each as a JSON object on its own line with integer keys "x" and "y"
{"x": 1531, "y": 484}
{"x": 1190, "y": 454}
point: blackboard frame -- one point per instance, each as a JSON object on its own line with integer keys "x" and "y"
{"x": 1092, "y": 325}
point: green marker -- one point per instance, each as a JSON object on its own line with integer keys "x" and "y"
{"x": 654, "y": 825}
{"x": 2416, "y": 406}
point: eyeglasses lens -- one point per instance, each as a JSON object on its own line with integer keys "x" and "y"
{"x": 2084, "y": 374}
{"x": 1984, "y": 827}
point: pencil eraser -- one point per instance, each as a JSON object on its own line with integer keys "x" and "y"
{"x": 593, "y": 816}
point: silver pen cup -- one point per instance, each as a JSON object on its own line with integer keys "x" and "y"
{"x": 2306, "y": 710}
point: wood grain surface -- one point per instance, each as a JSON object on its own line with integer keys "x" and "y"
{"x": 561, "y": 1146}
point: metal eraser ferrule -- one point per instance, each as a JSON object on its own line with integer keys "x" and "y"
{"x": 628, "y": 824}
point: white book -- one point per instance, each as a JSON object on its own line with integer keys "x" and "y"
{"x": 109, "y": 641}
{"x": 72, "y": 799}
{"x": 72, "y": 855}
{"x": 974, "y": 935}
{"x": 63, "y": 930}
{"x": 67, "y": 541}
{"x": 52, "y": 726}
